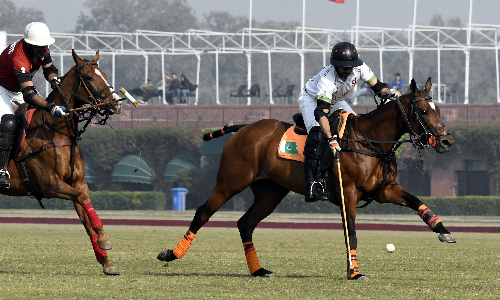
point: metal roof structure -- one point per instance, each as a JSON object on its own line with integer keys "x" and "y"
{"x": 300, "y": 40}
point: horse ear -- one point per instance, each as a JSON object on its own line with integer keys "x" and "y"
{"x": 96, "y": 57}
{"x": 76, "y": 58}
{"x": 428, "y": 86}
{"x": 413, "y": 86}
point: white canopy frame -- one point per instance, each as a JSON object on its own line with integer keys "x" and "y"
{"x": 300, "y": 40}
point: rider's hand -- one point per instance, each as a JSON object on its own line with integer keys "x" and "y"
{"x": 54, "y": 82}
{"x": 396, "y": 94}
{"x": 334, "y": 145}
{"x": 58, "y": 111}
{"x": 384, "y": 95}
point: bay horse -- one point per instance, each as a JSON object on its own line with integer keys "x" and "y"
{"x": 50, "y": 163}
{"x": 367, "y": 162}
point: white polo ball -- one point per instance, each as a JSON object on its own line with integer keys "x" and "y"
{"x": 390, "y": 248}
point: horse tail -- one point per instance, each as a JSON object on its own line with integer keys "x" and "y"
{"x": 223, "y": 131}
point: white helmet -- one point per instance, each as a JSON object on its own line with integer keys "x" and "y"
{"x": 38, "y": 34}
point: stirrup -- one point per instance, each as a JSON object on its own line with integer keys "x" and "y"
{"x": 310, "y": 197}
{"x": 4, "y": 174}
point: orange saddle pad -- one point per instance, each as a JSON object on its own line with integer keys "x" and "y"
{"x": 292, "y": 144}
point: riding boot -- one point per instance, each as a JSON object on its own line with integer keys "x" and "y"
{"x": 315, "y": 189}
{"x": 312, "y": 153}
{"x": 8, "y": 125}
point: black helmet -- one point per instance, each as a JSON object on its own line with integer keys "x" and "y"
{"x": 344, "y": 54}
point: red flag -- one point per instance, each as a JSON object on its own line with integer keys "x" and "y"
{"x": 338, "y": 1}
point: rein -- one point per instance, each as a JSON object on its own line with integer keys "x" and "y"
{"x": 429, "y": 136}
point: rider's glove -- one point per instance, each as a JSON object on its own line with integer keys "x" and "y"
{"x": 57, "y": 111}
{"x": 334, "y": 145}
{"x": 396, "y": 94}
{"x": 54, "y": 82}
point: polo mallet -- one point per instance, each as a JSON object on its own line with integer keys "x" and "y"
{"x": 351, "y": 267}
{"x": 129, "y": 97}
{"x": 95, "y": 105}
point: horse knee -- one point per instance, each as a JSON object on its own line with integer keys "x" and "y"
{"x": 200, "y": 218}
{"x": 246, "y": 230}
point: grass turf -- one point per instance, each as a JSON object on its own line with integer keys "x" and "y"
{"x": 57, "y": 262}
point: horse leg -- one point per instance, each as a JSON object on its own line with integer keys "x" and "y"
{"x": 221, "y": 194}
{"x": 394, "y": 193}
{"x": 267, "y": 196}
{"x": 102, "y": 257}
{"x": 353, "y": 241}
{"x": 78, "y": 193}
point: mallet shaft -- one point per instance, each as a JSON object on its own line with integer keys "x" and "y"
{"x": 351, "y": 267}
{"x": 129, "y": 97}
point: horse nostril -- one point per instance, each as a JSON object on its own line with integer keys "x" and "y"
{"x": 446, "y": 143}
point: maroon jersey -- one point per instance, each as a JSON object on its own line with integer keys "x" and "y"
{"x": 17, "y": 65}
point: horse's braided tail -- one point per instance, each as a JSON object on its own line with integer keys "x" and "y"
{"x": 225, "y": 130}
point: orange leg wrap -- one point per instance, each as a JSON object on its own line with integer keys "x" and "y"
{"x": 184, "y": 244}
{"x": 251, "y": 256}
{"x": 354, "y": 261}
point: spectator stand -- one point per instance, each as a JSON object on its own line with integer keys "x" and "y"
{"x": 285, "y": 94}
{"x": 243, "y": 92}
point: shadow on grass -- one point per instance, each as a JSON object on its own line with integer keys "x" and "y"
{"x": 234, "y": 275}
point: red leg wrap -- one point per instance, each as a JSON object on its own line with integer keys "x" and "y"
{"x": 94, "y": 219}
{"x": 99, "y": 253}
{"x": 251, "y": 256}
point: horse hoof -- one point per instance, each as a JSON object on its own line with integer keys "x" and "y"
{"x": 105, "y": 245}
{"x": 263, "y": 273}
{"x": 446, "y": 238}
{"x": 166, "y": 255}
{"x": 359, "y": 277}
{"x": 111, "y": 271}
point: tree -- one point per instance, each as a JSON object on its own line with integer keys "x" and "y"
{"x": 13, "y": 19}
{"x": 222, "y": 21}
{"x": 130, "y": 15}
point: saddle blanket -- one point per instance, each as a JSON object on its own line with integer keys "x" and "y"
{"x": 292, "y": 144}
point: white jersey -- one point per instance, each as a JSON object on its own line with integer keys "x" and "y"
{"x": 328, "y": 86}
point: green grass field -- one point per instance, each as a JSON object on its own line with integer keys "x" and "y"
{"x": 57, "y": 262}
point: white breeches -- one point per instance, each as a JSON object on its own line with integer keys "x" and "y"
{"x": 6, "y": 98}
{"x": 307, "y": 105}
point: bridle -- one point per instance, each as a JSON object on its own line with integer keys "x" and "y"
{"x": 429, "y": 136}
{"x": 95, "y": 97}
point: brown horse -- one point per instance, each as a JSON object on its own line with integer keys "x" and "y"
{"x": 368, "y": 169}
{"x": 52, "y": 163}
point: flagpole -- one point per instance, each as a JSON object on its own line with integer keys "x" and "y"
{"x": 249, "y": 55}
{"x": 357, "y": 22}
{"x": 303, "y": 43}
{"x": 410, "y": 77}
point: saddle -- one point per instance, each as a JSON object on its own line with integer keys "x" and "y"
{"x": 293, "y": 140}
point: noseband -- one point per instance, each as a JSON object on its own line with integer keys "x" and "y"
{"x": 430, "y": 135}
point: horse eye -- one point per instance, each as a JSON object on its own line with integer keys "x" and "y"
{"x": 89, "y": 78}
{"x": 424, "y": 112}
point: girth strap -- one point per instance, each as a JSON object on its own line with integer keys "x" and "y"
{"x": 43, "y": 148}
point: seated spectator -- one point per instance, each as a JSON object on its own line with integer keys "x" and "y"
{"x": 140, "y": 91}
{"x": 184, "y": 90}
{"x": 173, "y": 85}
{"x": 397, "y": 84}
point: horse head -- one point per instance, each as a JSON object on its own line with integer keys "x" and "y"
{"x": 424, "y": 124}
{"x": 86, "y": 84}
